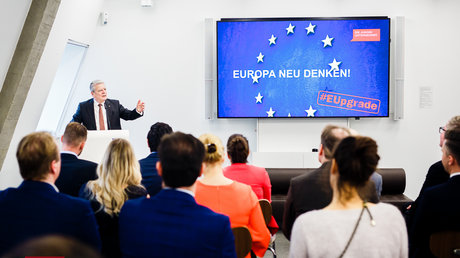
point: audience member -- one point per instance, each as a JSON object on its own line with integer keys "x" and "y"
{"x": 150, "y": 178}
{"x": 231, "y": 198}
{"x": 375, "y": 177}
{"x": 436, "y": 173}
{"x": 313, "y": 191}
{"x": 119, "y": 180}
{"x": 36, "y": 208}
{"x": 171, "y": 223}
{"x": 439, "y": 205}
{"x": 349, "y": 225}
{"x": 256, "y": 177}
{"x": 75, "y": 172}
{"x": 53, "y": 246}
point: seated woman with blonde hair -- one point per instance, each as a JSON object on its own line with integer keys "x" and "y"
{"x": 348, "y": 226}
{"x": 119, "y": 180}
{"x": 230, "y": 198}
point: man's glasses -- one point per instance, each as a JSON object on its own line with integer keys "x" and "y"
{"x": 442, "y": 129}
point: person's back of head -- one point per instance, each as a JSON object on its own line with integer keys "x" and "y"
{"x": 74, "y": 136}
{"x": 238, "y": 148}
{"x": 330, "y": 137}
{"x": 181, "y": 158}
{"x": 157, "y": 131}
{"x": 356, "y": 159}
{"x": 37, "y": 153}
{"x": 454, "y": 122}
{"x": 119, "y": 169}
{"x": 214, "y": 149}
{"x": 52, "y": 246}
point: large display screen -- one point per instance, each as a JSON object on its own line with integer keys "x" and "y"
{"x": 303, "y": 67}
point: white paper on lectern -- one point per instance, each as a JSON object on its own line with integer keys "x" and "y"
{"x": 97, "y": 143}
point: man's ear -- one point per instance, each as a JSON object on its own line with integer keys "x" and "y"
{"x": 55, "y": 168}
{"x": 62, "y": 138}
{"x": 321, "y": 154}
{"x": 159, "y": 168}
{"x": 321, "y": 150}
{"x": 451, "y": 160}
{"x": 82, "y": 145}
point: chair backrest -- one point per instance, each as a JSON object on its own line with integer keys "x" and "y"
{"x": 266, "y": 210}
{"x": 243, "y": 241}
{"x": 280, "y": 178}
{"x": 445, "y": 244}
{"x": 393, "y": 180}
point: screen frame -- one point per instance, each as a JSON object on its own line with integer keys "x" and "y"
{"x": 303, "y": 19}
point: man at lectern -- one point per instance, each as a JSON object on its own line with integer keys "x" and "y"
{"x": 101, "y": 113}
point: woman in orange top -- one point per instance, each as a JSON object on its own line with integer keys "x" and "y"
{"x": 230, "y": 198}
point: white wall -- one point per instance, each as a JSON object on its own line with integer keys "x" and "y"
{"x": 157, "y": 54}
{"x": 13, "y": 14}
{"x": 77, "y": 20}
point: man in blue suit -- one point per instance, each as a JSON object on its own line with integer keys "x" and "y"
{"x": 101, "y": 113}
{"x": 439, "y": 206}
{"x": 75, "y": 172}
{"x": 171, "y": 223}
{"x": 150, "y": 178}
{"x": 36, "y": 208}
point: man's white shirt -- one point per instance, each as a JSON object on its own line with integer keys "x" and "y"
{"x": 96, "y": 115}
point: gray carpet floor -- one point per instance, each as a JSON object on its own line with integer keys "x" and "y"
{"x": 281, "y": 247}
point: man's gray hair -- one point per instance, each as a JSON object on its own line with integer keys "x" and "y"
{"x": 94, "y": 83}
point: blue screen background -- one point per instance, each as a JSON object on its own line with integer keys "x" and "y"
{"x": 240, "y": 42}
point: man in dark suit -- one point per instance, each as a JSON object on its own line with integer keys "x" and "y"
{"x": 75, "y": 172}
{"x": 101, "y": 113}
{"x": 436, "y": 173}
{"x": 150, "y": 178}
{"x": 439, "y": 206}
{"x": 171, "y": 223}
{"x": 35, "y": 208}
{"x": 313, "y": 191}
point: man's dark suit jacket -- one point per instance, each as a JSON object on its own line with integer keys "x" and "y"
{"x": 74, "y": 173}
{"x": 312, "y": 191}
{"x": 172, "y": 224}
{"x": 150, "y": 178}
{"x": 35, "y": 209}
{"x": 436, "y": 175}
{"x": 114, "y": 110}
{"x": 438, "y": 210}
